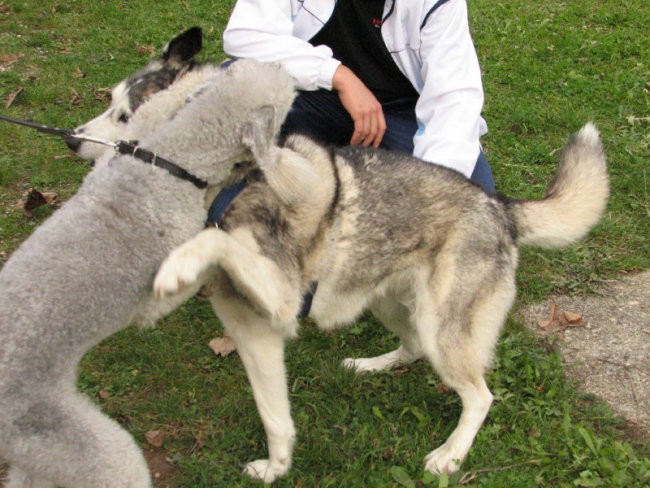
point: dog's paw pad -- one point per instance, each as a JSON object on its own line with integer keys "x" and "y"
{"x": 264, "y": 470}
{"x": 445, "y": 459}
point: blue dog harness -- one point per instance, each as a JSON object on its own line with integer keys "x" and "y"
{"x": 223, "y": 200}
{"x": 216, "y": 212}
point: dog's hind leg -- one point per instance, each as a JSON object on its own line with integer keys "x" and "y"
{"x": 60, "y": 436}
{"x": 396, "y": 317}
{"x": 261, "y": 349}
{"x": 458, "y": 339}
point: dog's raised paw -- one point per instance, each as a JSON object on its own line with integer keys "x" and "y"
{"x": 264, "y": 470}
{"x": 178, "y": 270}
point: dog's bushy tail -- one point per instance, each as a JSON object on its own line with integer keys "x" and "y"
{"x": 575, "y": 200}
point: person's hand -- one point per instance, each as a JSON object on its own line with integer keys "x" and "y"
{"x": 363, "y": 107}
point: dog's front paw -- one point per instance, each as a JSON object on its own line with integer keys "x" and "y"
{"x": 445, "y": 459}
{"x": 181, "y": 268}
{"x": 265, "y": 470}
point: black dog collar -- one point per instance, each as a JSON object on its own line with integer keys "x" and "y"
{"x": 132, "y": 149}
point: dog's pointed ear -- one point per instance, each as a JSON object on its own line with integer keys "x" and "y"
{"x": 184, "y": 46}
{"x": 258, "y": 133}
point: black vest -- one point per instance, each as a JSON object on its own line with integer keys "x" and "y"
{"x": 353, "y": 32}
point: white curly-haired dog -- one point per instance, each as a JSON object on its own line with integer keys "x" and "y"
{"x": 88, "y": 272}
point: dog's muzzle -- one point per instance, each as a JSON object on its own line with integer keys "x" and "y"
{"x": 73, "y": 143}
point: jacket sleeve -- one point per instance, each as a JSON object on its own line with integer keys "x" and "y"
{"x": 449, "y": 108}
{"x": 263, "y": 29}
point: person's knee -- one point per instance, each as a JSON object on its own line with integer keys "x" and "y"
{"x": 482, "y": 174}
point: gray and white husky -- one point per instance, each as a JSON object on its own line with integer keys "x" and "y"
{"x": 429, "y": 253}
{"x": 88, "y": 272}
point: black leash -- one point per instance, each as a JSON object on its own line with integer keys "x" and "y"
{"x": 41, "y": 128}
{"x": 127, "y": 148}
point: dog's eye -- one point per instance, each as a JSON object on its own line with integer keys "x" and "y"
{"x": 124, "y": 118}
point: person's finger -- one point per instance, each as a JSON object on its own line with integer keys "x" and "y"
{"x": 371, "y": 133}
{"x": 360, "y": 131}
{"x": 381, "y": 129}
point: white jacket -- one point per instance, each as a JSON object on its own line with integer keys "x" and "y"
{"x": 438, "y": 58}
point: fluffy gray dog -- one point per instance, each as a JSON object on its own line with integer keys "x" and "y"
{"x": 87, "y": 272}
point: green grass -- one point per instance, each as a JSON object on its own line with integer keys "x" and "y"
{"x": 548, "y": 68}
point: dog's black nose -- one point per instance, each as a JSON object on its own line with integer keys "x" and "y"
{"x": 73, "y": 143}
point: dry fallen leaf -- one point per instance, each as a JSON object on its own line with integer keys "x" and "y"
{"x": 76, "y": 98}
{"x": 12, "y": 96}
{"x": 146, "y": 49}
{"x": 50, "y": 197}
{"x": 573, "y": 318}
{"x": 401, "y": 371}
{"x": 545, "y": 324}
{"x": 78, "y": 73}
{"x": 35, "y": 199}
{"x": 155, "y": 438}
{"x": 102, "y": 94}
{"x": 103, "y": 394}
{"x": 222, "y": 346}
{"x": 558, "y": 322}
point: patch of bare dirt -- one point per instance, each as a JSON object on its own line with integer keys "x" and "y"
{"x": 608, "y": 354}
{"x": 162, "y": 468}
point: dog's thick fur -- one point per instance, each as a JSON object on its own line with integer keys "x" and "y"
{"x": 88, "y": 272}
{"x": 428, "y": 252}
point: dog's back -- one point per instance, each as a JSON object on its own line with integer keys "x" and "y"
{"x": 405, "y": 210}
{"x": 408, "y": 209}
